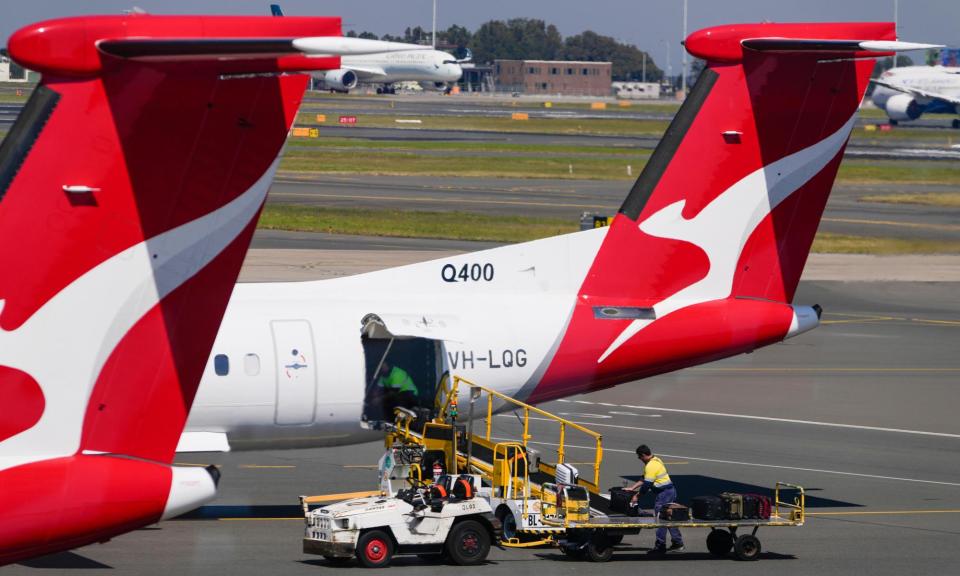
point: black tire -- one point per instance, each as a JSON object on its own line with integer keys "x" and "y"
{"x": 573, "y": 553}
{"x": 599, "y": 549}
{"x": 509, "y": 523}
{"x": 719, "y": 542}
{"x": 337, "y": 560}
{"x": 747, "y": 547}
{"x": 375, "y": 549}
{"x": 955, "y": 123}
{"x": 894, "y": 122}
{"x": 468, "y": 543}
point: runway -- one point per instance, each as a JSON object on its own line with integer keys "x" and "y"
{"x": 861, "y": 411}
{"x": 567, "y": 199}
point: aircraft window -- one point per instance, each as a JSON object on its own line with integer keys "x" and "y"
{"x": 221, "y": 364}
{"x": 251, "y": 364}
{"x": 586, "y": 71}
{"x": 25, "y": 131}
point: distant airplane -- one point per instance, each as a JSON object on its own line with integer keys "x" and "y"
{"x": 398, "y": 62}
{"x": 701, "y": 263}
{"x": 130, "y": 186}
{"x": 909, "y": 92}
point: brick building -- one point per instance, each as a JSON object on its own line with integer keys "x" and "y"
{"x": 553, "y": 77}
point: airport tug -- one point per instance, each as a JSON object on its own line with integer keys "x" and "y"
{"x": 450, "y": 493}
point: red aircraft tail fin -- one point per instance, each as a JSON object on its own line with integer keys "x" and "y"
{"x": 130, "y": 187}
{"x": 709, "y": 246}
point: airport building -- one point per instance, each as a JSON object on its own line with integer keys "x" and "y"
{"x": 11, "y": 72}
{"x": 569, "y": 78}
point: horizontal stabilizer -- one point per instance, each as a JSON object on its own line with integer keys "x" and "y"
{"x": 820, "y": 45}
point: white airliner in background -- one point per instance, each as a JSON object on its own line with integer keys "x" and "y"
{"x": 907, "y": 93}
{"x": 399, "y": 62}
{"x": 695, "y": 267}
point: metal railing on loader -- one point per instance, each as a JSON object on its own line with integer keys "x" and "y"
{"x": 477, "y": 455}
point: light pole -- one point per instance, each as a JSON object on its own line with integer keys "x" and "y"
{"x": 666, "y": 46}
{"x": 683, "y": 81}
{"x": 433, "y": 36}
{"x": 896, "y": 13}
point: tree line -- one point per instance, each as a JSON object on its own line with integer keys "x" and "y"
{"x": 533, "y": 39}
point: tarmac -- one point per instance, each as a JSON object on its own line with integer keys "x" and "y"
{"x": 861, "y": 412}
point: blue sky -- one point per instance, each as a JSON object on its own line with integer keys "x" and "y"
{"x": 653, "y": 25}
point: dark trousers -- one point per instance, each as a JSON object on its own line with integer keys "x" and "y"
{"x": 667, "y": 496}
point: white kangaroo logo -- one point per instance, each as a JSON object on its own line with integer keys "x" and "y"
{"x": 723, "y": 227}
{"x": 82, "y": 324}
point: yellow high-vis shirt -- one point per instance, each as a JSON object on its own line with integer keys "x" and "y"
{"x": 656, "y": 473}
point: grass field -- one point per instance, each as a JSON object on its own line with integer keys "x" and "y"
{"x": 449, "y": 225}
{"x": 467, "y": 226}
{"x": 334, "y": 144}
{"x": 942, "y": 199}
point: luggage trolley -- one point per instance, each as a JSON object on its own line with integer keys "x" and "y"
{"x": 594, "y": 538}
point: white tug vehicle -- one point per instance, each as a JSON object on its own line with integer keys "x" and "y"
{"x": 444, "y": 519}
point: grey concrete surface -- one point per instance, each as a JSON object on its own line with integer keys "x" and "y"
{"x": 861, "y": 411}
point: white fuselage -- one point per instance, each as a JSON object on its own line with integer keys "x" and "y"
{"x": 296, "y": 371}
{"x": 403, "y": 66}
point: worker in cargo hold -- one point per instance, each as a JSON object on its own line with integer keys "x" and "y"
{"x": 656, "y": 479}
{"x": 397, "y": 387}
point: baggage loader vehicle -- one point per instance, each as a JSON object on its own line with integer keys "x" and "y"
{"x": 506, "y": 487}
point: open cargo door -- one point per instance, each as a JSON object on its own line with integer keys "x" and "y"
{"x": 405, "y": 360}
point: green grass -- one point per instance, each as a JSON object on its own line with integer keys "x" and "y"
{"x": 411, "y": 163}
{"x": 943, "y": 199}
{"x": 829, "y": 243}
{"x": 447, "y": 225}
{"x": 903, "y": 172}
{"x": 468, "y": 226}
{"x": 333, "y": 144}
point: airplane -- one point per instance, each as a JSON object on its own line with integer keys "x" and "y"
{"x": 701, "y": 263}
{"x": 130, "y": 186}
{"x": 433, "y": 69}
{"x": 909, "y": 92}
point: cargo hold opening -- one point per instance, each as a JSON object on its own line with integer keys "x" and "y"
{"x": 400, "y": 371}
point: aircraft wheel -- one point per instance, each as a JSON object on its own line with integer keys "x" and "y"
{"x": 955, "y": 123}
{"x": 468, "y": 543}
{"x": 719, "y": 542}
{"x": 747, "y": 547}
{"x": 375, "y": 549}
{"x": 894, "y": 122}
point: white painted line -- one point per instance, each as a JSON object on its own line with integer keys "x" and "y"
{"x": 607, "y": 404}
{"x": 562, "y": 400}
{"x": 778, "y": 467}
{"x": 792, "y": 421}
{"x": 615, "y": 413}
{"x": 586, "y": 415}
{"x": 583, "y": 402}
{"x": 594, "y": 424}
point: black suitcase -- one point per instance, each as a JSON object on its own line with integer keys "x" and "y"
{"x": 751, "y": 507}
{"x": 620, "y": 500}
{"x": 707, "y": 507}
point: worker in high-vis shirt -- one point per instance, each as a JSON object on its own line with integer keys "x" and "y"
{"x": 656, "y": 479}
{"x": 395, "y": 383}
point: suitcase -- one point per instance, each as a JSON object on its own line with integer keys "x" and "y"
{"x": 567, "y": 474}
{"x": 675, "y": 513}
{"x": 758, "y": 505}
{"x": 732, "y": 505}
{"x": 707, "y": 507}
{"x": 620, "y": 500}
